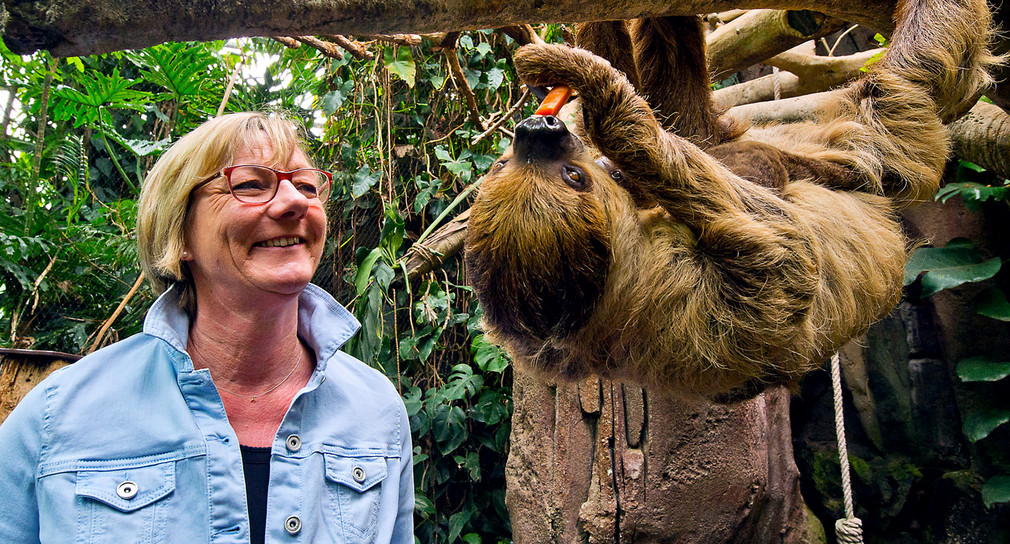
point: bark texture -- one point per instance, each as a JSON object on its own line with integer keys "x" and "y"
{"x": 602, "y": 462}
{"x": 983, "y": 137}
{"x": 56, "y": 25}
{"x": 21, "y": 370}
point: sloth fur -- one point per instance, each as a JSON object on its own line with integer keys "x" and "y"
{"x": 696, "y": 257}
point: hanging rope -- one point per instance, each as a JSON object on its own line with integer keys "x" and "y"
{"x": 850, "y": 529}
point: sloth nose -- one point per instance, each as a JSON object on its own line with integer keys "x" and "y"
{"x": 541, "y": 137}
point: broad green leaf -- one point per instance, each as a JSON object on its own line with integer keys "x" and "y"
{"x": 364, "y": 179}
{"x": 979, "y": 424}
{"x": 471, "y": 538}
{"x": 957, "y": 263}
{"x": 332, "y": 102}
{"x": 402, "y": 64}
{"x": 982, "y": 369}
{"x": 489, "y": 357}
{"x": 993, "y": 303}
{"x": 365, "y": 270}
{"x": 143, "y": 148}
{"x": 456, "y": 523}
{"x": 449, "y": 428}
{"x": 996, "y": 489}
{"x": 422, "y": 504}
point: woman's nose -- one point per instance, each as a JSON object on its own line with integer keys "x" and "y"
{"x": 288, "y": 201}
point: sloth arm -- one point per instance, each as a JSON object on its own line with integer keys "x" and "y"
{"x": 753, "y": 254}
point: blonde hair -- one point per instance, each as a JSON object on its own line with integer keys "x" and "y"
{"x": 164, "y": 197}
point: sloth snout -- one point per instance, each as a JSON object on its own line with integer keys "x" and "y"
{"x": 541, "y": 137}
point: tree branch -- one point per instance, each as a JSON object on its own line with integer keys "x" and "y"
{"x": 56, "y": 25}
{"x": 806, "y": 74}
{"x": 460, "y": 81}
{"x": 761, "y": 34}
{"x": 443, "y": 244}
{"x": 983, "y": 137}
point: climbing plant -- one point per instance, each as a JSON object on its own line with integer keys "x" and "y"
{"x": 962, "y": 262}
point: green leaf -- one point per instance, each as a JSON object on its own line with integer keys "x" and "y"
{"x": 364, "y": 179}
{"x": 971, "y": 192}
{"x": 489, "y": 357}
{"x": 449, "y": 428}
{"x": 957, "y": 263}
{"x": 143, "y": 148}
{"x": 402, "y": 64}
{"x": 982, "y": 369}
{"x": 471, "y": 538}
{"x": 365, "y": 270}
{"x": 332, "y": 102}
{"x": 456, "y": 523}
{"x": 423, "y": 505}
{"x": 996, "y": 489}
{"x": 993, "y": 303}
{"x": 979, "y": 424}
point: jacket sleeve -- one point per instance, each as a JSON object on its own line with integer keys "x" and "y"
{"x": 403, "y": 530}
{"x": 20, "y": 447}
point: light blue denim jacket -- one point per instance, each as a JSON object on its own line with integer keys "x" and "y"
{"x": 131, "y": 444}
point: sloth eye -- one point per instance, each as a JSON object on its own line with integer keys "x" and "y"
{"x": 574, "y": 177}
{"x": 499, "y": 165}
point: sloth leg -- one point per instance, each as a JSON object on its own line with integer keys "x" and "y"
{"x": 673, "y": 70}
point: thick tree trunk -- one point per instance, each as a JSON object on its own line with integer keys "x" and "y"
{"x": 95, "y": 26}
{"x": 604, "y": 462}
{"x": 21, "y": 370}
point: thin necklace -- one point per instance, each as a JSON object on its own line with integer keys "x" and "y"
{"x": 275, "y": 386}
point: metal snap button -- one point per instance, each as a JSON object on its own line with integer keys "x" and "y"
{"x": 358, "y": 474}
{"x": 127, "y": 490}
{"x": 294, "y": 443}
{"x": 293, "y": 525}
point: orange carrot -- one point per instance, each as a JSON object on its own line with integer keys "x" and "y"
{"x": 554, "y": 100}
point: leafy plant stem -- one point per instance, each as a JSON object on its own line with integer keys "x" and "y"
{"x": 448, "y": 209}
{"x": 40, "y": 143}
{"x": 112, "y": 155}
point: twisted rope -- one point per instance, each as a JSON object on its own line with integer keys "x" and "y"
{"x": 850, "y": 529}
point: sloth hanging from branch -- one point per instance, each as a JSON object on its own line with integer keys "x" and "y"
{"x": 670, "y": 247}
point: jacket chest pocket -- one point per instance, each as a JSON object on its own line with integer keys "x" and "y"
{"x": 124, "y": 504}
{"x": 355, "y": 493}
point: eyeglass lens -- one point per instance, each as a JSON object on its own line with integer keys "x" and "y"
{"x": 258, "y": 184}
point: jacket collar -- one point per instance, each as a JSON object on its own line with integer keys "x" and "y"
{"x": 323, "y": 323}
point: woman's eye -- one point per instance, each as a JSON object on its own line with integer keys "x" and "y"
{"x": 250, "y": 185}
{"x": 308, "y": 189}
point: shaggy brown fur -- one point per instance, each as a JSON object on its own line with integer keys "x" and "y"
{"x": 751, "y": 265}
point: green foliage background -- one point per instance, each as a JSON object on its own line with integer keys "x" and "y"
{"x": 79, "y": 134}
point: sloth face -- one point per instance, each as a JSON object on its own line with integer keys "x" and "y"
{"x": 538, "y": 241}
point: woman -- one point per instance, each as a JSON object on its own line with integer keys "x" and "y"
{"x": 233, "y": 417}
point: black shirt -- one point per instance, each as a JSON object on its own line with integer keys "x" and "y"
{"x": 256, "y": 466}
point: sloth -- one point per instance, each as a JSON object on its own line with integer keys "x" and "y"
{"x": 669, "y": 247}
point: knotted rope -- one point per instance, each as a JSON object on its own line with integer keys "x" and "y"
{"x": 850, "y": 529}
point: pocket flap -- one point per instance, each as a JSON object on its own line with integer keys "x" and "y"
{"x": 357, "y": 473}
{"x": 127, "y": 489}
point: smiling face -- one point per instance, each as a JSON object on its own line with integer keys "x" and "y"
{"x": 242, "y": 253}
